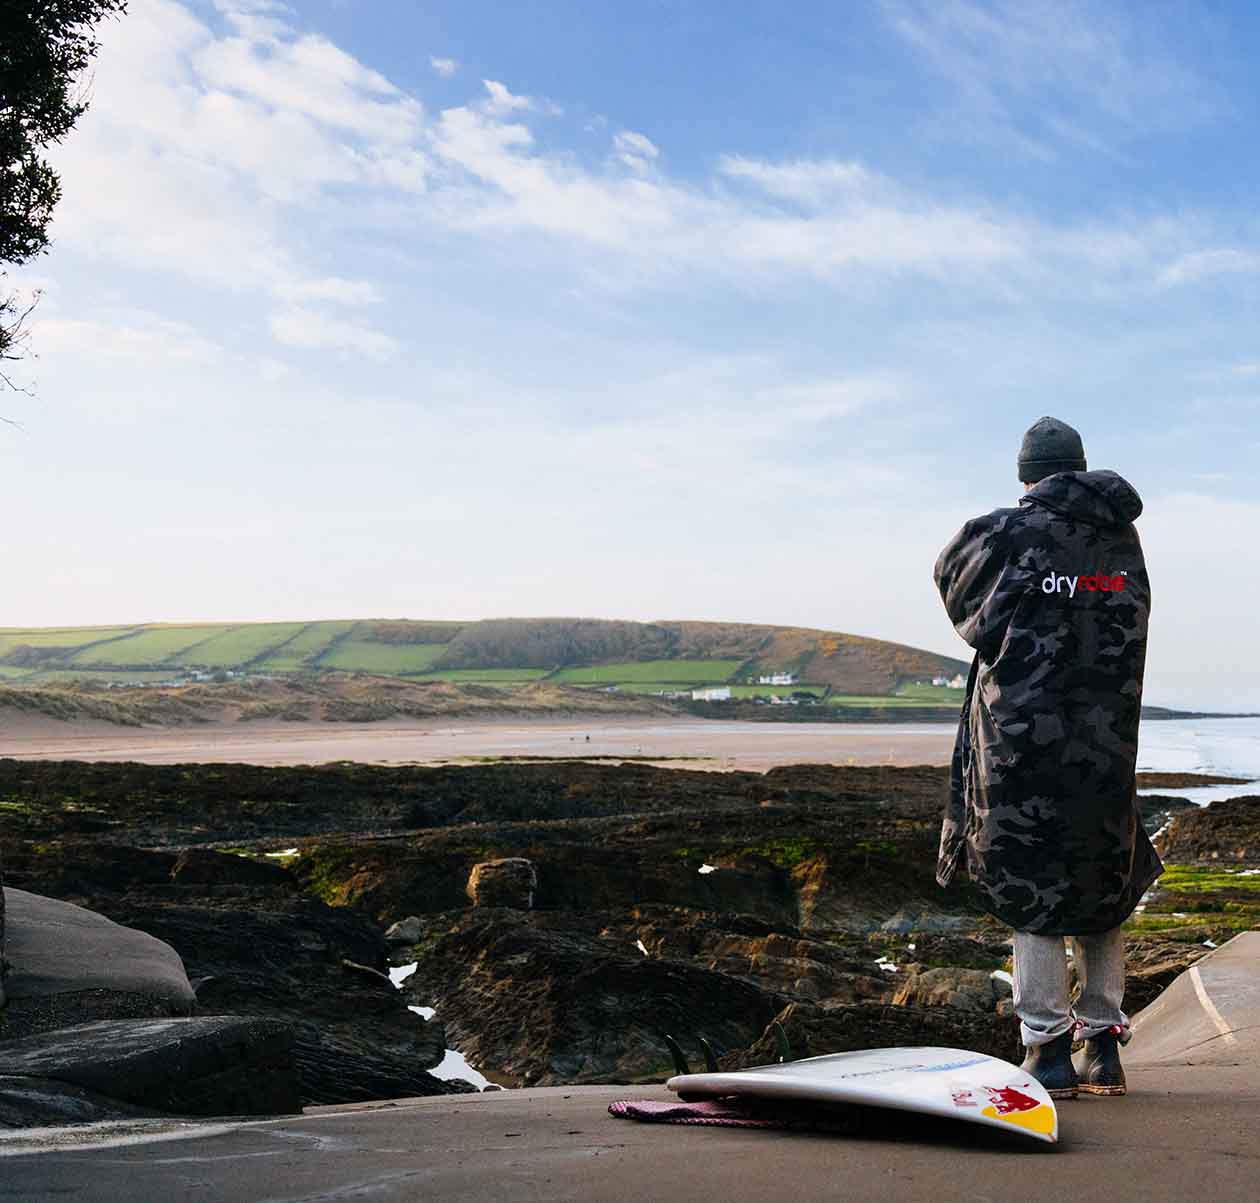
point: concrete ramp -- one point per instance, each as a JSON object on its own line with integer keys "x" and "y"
{"x": 1209, "y": 1016}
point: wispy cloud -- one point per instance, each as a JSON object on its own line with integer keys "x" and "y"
{"x": 1045, "y": 77}
{"x": 307, "y": 328}
{"x": 203, "y": 140}
{"x": 1201, "y": 265}
{"x": 445, "y": 67}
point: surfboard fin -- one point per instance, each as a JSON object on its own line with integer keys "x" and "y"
{"x": 680, "y": 1062}
{"x": 710, "y": 1057}
{"x": 781, "y": 1043}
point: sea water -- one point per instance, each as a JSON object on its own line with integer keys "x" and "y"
{"x": 1229, "y": 747}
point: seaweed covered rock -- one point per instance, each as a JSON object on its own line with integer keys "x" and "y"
{"x": 1228, "y": 830}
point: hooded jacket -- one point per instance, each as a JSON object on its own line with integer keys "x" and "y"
{"x": 1054, "y": 598}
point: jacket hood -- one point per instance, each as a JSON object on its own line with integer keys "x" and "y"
{"x": 1102, "y": 498}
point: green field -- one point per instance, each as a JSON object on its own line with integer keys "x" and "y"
{"x": 487, "y": 676}
{"x": 51, "y": 676}
{"x": 311, "y": 641}
{"x": 366, "y": 655}
{"x": 58, "y": 637}
{"x": 240, "y": 645}
{"x": 932, "y": 693}
{"x": 782, "y": 691}
{"x": 155, "y": 645}
{"x": 567, "y": 651}
{"x": 677, "y": 672}
{"x": 876, "y": 701}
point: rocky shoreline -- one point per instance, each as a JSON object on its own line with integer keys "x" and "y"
{"x": 655, "y": 901}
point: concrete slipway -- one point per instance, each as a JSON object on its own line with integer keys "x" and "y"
{"x": 1188, "y": 1129}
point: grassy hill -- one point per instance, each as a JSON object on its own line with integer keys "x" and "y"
{"x": 502, "y": 652}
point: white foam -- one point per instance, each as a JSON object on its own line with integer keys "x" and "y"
{"x": 400, "y": 973}
{"x": 453, "y": 1064}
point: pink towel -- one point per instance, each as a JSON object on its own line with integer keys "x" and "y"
{"x": 734, "y": 1113}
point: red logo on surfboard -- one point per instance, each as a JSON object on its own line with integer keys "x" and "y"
{"x": 1006, "y": 1099}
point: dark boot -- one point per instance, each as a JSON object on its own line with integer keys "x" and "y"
{"x": 1098, "y": 1064}
{"x": 1051, "y": 1065}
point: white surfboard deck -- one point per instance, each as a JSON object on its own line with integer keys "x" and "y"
{"x": 932, "y": 1081}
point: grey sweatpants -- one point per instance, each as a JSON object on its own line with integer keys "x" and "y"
{"x": 1041, "y": 986}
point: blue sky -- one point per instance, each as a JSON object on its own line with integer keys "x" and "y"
{"x": 645, "y": 311}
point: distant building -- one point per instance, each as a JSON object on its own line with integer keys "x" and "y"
{"x": 777, "y": 679}
{"x": 958, "y": 681}
{"x": 713, "y": 694}
{"x": 940, "y": 680}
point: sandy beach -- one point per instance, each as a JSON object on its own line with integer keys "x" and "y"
{"x": 692, "y": 743}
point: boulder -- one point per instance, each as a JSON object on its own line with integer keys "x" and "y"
{"x": 508, "y": 882}
{"x": 255, "y": 950}
{"x": 963, "y": 989}
{"x": 406, "y": 931}
{"x": 70, "y": 964}
{"x": 210, "y": 1065}
{"x": 1228, "y": 830}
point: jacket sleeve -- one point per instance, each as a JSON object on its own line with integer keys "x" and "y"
{"x": 981, "y": 581}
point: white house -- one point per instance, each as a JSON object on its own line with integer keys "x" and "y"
{"x": 958, "y": 681}
{"x": 720, "y": 693}
{"x": 940, "y": 680}
{"x": 777, "y": 679}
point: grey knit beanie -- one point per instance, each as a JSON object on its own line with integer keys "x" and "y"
{"x": 1050, "y": 446}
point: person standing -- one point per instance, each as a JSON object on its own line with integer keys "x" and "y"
{"x": 1042, "y": 812}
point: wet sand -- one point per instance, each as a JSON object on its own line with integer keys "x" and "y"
{"x": 689, "y": 743}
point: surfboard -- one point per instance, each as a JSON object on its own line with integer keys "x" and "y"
{"x": 948, "y": 1082}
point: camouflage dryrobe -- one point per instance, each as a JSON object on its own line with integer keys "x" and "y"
{"x": 1053, "y": 596}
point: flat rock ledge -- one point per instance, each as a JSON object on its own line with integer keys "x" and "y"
{"x": 210, "y": 1065}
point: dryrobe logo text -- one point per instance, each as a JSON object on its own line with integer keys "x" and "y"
{"x": 1100, "y": 582}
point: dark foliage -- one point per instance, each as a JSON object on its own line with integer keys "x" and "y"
{"x": 46, "y": 45}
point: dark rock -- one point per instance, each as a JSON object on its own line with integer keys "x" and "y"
{"x": 1228, "y": 830}
{"x": 935, "y": 950}
{"x": 71, "y": 964}
{"x": 541, "y": 1006}
{"x": 405, "y": 931}
{"x": 962, "y": 989}
{"x": 1158, "y": 809}
{"x": 354, "y": 1039}
{"x": 508, "y": 882}
{"x": 269, "y": 954}
{"x": 211, "y": 1065}
{"x": 1152, "y": 964}
{"x": 36, "y": 1102}
{"x": 812, "y": 1031}
{"x": 202, "y": 867}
